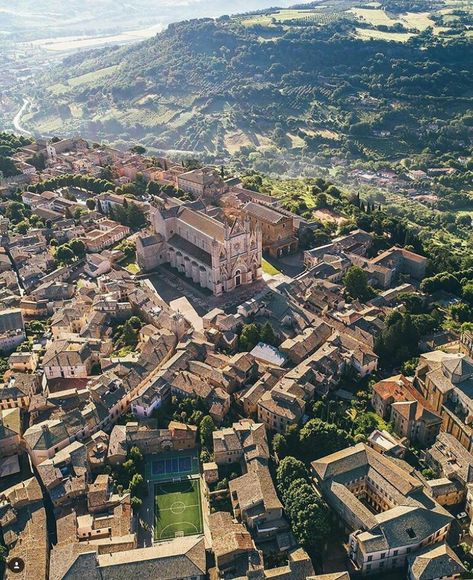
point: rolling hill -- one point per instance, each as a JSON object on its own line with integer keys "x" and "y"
{"x": 329, "y": 81}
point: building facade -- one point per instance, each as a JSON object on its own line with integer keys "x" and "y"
{"x": 386, "y": 509}
{"x": 216, "y": 255}
{"x": 276, "y": 227}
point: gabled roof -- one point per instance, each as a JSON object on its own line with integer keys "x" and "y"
{"x": 171, "y": 560}
{"x": 10, "y": 423}
{"x": 437, "y": 561}
{"x": 205, "y": 224}
{"x": 229, "y": 536}
{"x": 264, "y": 213}
{"x": 460, "y": 367}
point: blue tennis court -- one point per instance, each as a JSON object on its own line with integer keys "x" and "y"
{"x": 171, "y": 465}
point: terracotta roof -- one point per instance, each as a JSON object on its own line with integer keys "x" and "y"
{"x": 228, "y": 536}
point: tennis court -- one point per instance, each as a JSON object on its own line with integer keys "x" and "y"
{"x": 178, "y": 510}
{"x": 169, "y": 466}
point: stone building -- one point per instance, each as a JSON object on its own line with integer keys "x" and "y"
{"x": 216, "y": 255}
{"x": 205, "y": 182}
{"x": 276, "y": 227}
{"x": 385, "y": 508}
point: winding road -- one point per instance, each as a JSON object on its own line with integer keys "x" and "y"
{"x": 17, "y": 119}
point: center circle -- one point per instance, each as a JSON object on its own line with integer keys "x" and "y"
{"x": 178, "y": 507}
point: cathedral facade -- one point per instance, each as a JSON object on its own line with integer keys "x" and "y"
{"x": 216, "y": 255}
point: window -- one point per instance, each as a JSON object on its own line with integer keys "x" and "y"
{"x": 396, "y": 552}
{"x": 370, "y": 558}
{"x": 383, "y": 555}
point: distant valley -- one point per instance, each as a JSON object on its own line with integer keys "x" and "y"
{"x": 36, "y": 19}
{"x": 277, "y": 87}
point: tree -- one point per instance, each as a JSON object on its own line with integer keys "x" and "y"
{"x": 249, "y": 336}
{"x": 16, "y": 211}
{"x": 139, "y": 149}
{"x": 306, "y": 239}
{"x": 321, "y": 201}
{"x": 468, "y": 293}
{"x": 64, "y": 254}
{"x": 205, "y": 456}
{"x": 356, "y": 284}
{"x": 366, "y": 423}
{"x": 78, "y": 247}
{"x": 222, "y": 484}
{"x": 442, "y": 281}
{"x": 136, "y": 502}
{"x": 90, "y": 203}
{"x": 279, "y": 445}
{"x": 129, "y": 334}
{"x": 413, "y": 302}
{"x": 289, "y": 469}
{"x": 461, "y": 312}
{"x": 8, "y": 167}
{"x": 398, "y": 341}
{"x": 318, "y": 438}
{"x": 206, "y": 428}
{"x": 137, "y": 486}
{"x": 128, "y": 215}
{"x": 135, "y": 322}
{"x": 252, "y": 182}
{"x": 38, "y": 161}
{"x": 135, "y": 217}
{"x": 307, "y": 512}
{"x": 106, "y": 173}
{"x": 409, "y": 367}
{"x": 22, "y": 227}
{"x": 268, "y": 335}
{"x": 136, "y": 456}
{"x": 153, "y": 188}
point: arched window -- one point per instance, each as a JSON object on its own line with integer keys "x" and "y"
{"x": 238, "y": 278}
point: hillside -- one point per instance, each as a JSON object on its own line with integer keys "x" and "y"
{"x": 37, "y": 19}
{"x": 332, "y": 81}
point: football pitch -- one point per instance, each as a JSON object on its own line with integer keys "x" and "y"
{"x": 178, "y": 510}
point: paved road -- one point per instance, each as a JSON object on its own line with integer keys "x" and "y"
{"x": 17, "y": 119}
{"x": 184, "y": 306}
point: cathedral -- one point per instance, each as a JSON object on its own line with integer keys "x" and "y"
{"x": 217, "y": 255}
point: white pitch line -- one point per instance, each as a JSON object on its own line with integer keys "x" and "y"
{"x": 187, "y": 506}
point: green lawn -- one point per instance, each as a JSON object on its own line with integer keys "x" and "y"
{"x": 133, "y": 268}
{"x": 178, "y": 510}
{"x": 269, "y": 268}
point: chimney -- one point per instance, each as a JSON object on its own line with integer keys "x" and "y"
{"x": 469, "y": 477}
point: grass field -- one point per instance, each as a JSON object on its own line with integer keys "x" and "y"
{"x": 374, "y": 17}
{"x": 278, "y": 17}
{"x": 269, "y": 268}
{"x": 178, "y": 510}
{"x": 367, "y": 34}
